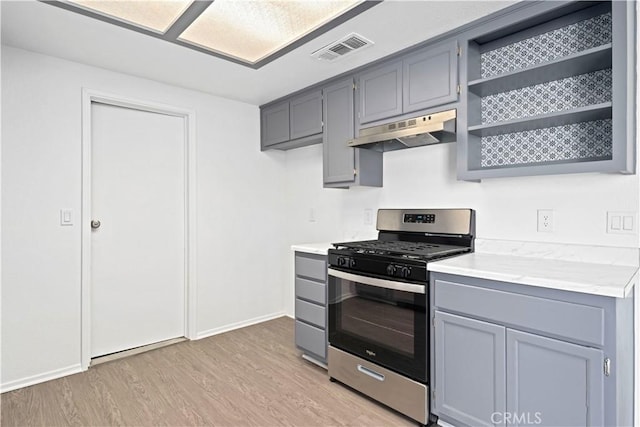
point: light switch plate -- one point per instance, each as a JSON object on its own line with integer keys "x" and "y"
{"x": 622, "y": 222}
{"x": 368, "y": 217}
{"x": 66, "y": 216}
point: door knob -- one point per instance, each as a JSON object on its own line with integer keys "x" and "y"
{"x": 95, "y": 223}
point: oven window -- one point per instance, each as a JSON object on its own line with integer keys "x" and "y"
{"x": 385, "y": 326}
{"x": 381, "y": 315}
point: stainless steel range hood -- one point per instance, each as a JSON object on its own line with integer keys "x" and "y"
{"x": 424, "y": 130}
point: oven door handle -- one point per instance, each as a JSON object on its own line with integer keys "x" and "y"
{"x": 380, "y": 283}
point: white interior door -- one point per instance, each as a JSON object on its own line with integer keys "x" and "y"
{"x": 138, "y": 250}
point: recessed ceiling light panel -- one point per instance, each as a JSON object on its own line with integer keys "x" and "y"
{"x": 153, "y": 15}
{"x": 251, "y": 30}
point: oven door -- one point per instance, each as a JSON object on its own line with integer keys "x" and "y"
{"x": 383, "y": 321}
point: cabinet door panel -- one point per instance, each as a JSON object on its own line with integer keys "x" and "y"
{"x": 275, "y": 124}
{"x": 380, "y": 93}
{"x": 470, "y": 370}
{"x": 553, "y": 383}
{"x": 306, "y": 115}
{"x": 430, "y": 78}
{"x": 338, "y": 158}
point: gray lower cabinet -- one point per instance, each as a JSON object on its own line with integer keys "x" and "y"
{"x": 509, "y": 355}
{"x": 310, "y": 305}
{"x": 342, "y": 165}
{"x": 471, "y": 386}
{"x": 555, "y": 382}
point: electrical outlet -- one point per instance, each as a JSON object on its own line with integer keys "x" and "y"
{"x": 545, "y": 220}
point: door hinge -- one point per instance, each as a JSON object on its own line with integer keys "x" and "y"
{"x": 607, "y": 366}
{"x": 459, "y": 51}
{"x": 458, "y": 89}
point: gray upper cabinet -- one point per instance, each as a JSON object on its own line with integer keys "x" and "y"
{"x": 380, "y": 93}
{"x": 540, "y": 103}
{"x": 471, "y": 384}
{"x": 306, "y": 115}
{"x": 418, "y": 81}
{"x": 342, "y": 165}
{"x": 293, "y": 123}
{"x": 338, "y": 158}
{"x": 275, "y": 124}
{"x": 556, "y": 383}
{"x": 430, "y": 77}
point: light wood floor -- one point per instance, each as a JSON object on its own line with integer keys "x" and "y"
{"x": 248, "y": 377}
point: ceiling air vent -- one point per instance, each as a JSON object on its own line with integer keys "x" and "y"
{"x": 344, "y": 46}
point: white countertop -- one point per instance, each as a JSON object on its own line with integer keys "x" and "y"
{"x": 590, "y": 278}
{"x": 312, "y": 248}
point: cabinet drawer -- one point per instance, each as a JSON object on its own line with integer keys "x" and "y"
{"x": 311, "y": 339}
{"x": 408, "y": 396}
{"x": 311, "y": 313}
{"x": 311, "y": 267}
{"x": 577, "y": 322}
{"x": 310, "y": 290}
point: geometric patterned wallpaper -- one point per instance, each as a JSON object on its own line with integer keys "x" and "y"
{"x": 558, "y": 95}
{"x": 579, "y": 141}
{"x": 582, "y": 35}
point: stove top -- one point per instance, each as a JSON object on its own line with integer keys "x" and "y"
{"x": 408, "y": 240}
{"x": 403, "y": 249}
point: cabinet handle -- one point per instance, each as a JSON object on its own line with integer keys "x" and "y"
{"x": 607, "y": 366}
{"x": 369, "y": 372}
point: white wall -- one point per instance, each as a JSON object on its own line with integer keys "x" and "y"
{"x": 425, "y": 177}
{"x": 240, "y": 200}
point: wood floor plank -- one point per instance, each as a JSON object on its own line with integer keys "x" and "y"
{"x": 248, "y": 377}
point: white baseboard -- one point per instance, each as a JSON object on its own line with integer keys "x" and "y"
{"x": 40, "y": 378}
{"x": 290, "y": 316}
{"x": 238, "y": 325}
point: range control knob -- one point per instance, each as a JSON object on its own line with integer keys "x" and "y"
{"x": 352, "y": 262}
{"x": 391, "y": 269}
{"x": 342, "y": 261}
{"x": 405, "y": 272}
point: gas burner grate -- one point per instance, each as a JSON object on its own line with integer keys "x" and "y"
{"x": 412, "y": 250}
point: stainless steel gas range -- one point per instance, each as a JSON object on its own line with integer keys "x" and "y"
{"x": 379, "y": 300}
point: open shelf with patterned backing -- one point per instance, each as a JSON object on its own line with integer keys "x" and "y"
{"x": 554, "y": 97}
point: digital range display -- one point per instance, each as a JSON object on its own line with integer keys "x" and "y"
{"x": 419, "y": 218}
